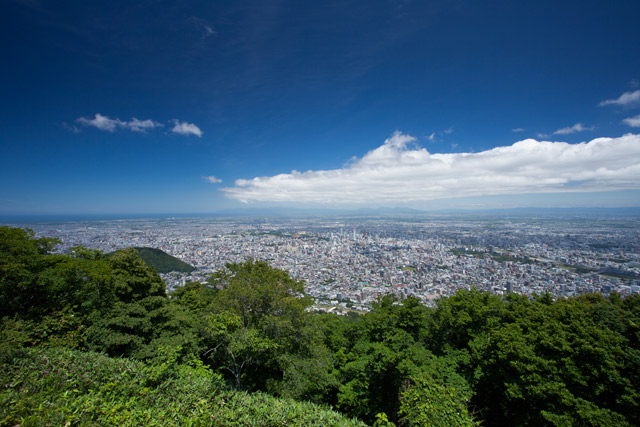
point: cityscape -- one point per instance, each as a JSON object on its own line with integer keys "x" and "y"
{"x": 347, "y": 262}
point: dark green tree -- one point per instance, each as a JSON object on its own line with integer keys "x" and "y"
{"x": 552, "y": 363}
{"x": 141, "y": 319}
{"x": 383, "y": 356}
{"x": 436, "y": 397}
{"x": 255, "y": 321}
{"x": 23, "y": 259}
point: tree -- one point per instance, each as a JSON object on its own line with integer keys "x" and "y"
{"x": 462, "y": 317}
{"x": 195, "y": 297}
{"x": 437, "y": 397}
{"x": 141, "y": 319}
{"x": 550, "y": 363}
{"x": 383, "y": 354}
{"x": 133, "y": 280}
{"x": 22, "y": 259}
{"x": 255, "y": 319}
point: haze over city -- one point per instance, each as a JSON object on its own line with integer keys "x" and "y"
{"x": 201, "y": 107}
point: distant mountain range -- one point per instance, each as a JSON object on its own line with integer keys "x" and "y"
{"x": 383, "y": 211}
{"x": 281, "y": 211}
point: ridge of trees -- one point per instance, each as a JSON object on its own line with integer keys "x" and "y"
{"x": 474, "y": 358}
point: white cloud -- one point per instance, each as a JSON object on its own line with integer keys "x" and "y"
{"x": 203, "y": 26}
{"x": 211, "y": 179}
{"x": 394, "y": 173}
{"x": 111, "y": 125}
{"x": 184, "y": 128}
{"x": 106, "y": 123}
{"x": 578, "y": 127}
{"x": 633, "y": 121}
{"x": 141, "y": 125}
{"x": 627, "y": 98}
{"x": 432, "y": 137}
{"x": 101, "y": 122}
{"x": 448, "y": 131}
{"x": 70, "y": 128}
{"x": 517, "y": 130}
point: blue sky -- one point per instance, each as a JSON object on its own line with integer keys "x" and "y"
{"x": 195, "y": 107}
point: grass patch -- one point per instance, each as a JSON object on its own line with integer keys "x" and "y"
{"x": 463, "y": 252}
{"x": 576, "y": 269}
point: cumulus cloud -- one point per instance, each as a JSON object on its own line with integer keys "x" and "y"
{"x": 211, "y": 179}
{"x": 141, "y": 125}
{"x": 184, "y": 128}
{"x": 101, "y": 122}
{"x": 394, "y": 173}
{"x": 626, "y": 99}
{"x": 578, "y": 127}
{"x": 110, "y": 125}
{"x": 633, "y": 121}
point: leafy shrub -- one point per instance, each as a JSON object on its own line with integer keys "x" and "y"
{"x": 67, "y": 387}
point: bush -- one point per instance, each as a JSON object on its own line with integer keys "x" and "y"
{"x": 66, "y": 387}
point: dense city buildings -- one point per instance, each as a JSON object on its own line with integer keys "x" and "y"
{"x": 346, "y": 262}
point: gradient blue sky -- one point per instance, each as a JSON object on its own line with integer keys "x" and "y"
{"x": 198, "y": 106}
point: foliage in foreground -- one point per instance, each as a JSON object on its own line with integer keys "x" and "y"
{"x": 540, "y": 362}
{"x": 68, "y": 387}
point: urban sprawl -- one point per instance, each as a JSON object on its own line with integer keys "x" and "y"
{"x": 348, "y": 262}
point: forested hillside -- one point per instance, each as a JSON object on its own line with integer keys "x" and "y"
{"x": 93, "y": 339}
{"x": 162, "y": 261}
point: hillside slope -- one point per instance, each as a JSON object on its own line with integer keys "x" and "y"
{"x": 162, "y": 261}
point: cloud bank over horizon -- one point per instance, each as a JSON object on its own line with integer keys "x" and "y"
{"x": 399, "y": 171}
